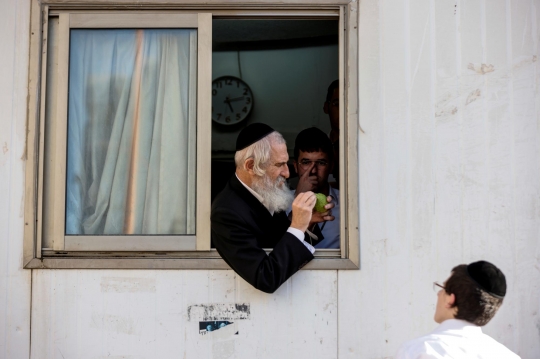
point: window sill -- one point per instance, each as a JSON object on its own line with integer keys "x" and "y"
{"x": 327, "y": 260}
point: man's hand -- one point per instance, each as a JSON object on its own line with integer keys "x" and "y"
{"x": 307, "y": 182}
{"x": 319, "y": 217}
{"x": 302, "y": 209}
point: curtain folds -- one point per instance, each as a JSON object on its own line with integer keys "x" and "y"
{"x": 131, "y": 132}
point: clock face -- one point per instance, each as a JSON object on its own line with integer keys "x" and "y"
{"x": 232, "y": 100}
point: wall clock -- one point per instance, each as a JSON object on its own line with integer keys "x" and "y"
{"x": 232, "y": 100}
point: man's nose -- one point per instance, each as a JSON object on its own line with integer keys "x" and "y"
{"x": 314, "y": 169}
{"x": 285, "y": 172}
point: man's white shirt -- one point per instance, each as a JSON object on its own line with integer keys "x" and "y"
{"x": 455, "y": 339}
{"x": 294, "y": 231}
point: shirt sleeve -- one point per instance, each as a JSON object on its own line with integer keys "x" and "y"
{"x": 300, "y": 235}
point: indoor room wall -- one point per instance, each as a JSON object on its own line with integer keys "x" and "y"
{"x": 289, "y": 88}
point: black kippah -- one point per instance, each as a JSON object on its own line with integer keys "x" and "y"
{"x": 251, "y": 134}
{"x": 488, "y": 277}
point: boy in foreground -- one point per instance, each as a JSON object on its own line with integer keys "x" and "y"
{"x": 465, "y": 302}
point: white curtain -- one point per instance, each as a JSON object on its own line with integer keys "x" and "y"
{"x": 131, "y": 132}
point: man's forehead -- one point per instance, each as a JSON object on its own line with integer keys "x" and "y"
{"x": 279, "y": 153}
{"x": 312, "y": 155}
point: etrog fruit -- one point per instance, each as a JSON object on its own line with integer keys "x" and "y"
{"x": 321, "y": 202}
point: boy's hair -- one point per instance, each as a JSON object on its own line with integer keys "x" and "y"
{"x": 313, "y": 140}
{"x": 474, "y": 304}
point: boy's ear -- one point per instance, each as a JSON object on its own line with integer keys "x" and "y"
{"x": 452, "y": 304}
{"x": 325, "y": 107}
{"x": 451, "y": 300}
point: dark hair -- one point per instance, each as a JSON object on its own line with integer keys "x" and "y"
{"x": 334, "y": 85}
{"x": 313, "y": 140}
{"x": 474, "y": 304}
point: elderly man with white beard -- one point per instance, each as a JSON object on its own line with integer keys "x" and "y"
{"x": 249, "y": 214}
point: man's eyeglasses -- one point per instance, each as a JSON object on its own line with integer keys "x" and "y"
{"x": 437, "y": 287}
{"x": 305, "y": 164}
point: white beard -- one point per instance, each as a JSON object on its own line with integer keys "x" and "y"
{"x": 277, "y": 196}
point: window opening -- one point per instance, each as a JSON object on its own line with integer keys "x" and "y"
{"x": 279, "y": 70}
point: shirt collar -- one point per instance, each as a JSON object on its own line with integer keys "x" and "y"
{"x": 255, "y": 194}
{"x": 457, "y": 324}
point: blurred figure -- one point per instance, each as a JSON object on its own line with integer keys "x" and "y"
{"x": 466, "y": 301}
{"x": 331, "y": 108}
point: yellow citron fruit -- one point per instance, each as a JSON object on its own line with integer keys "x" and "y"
{"x": 321, "y": 202}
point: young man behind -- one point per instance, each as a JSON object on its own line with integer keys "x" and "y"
{"x": 465, "y": 302}
{"x": 313, "y": 161}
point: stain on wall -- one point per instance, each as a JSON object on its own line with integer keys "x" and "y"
{"x": 473, "y": 96}
{"x": 212, "y": 312}
{"x": 212, "y": 326}
{"x": 113, "y": 323}
{"x": 481, "y": 69}
{"x": 127, "y": 285}
{"x": 223, "y": 349}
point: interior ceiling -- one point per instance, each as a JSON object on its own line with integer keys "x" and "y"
{"x": 254, "y": 30}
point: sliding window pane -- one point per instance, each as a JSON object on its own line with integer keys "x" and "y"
{"x": 131, "y": 160}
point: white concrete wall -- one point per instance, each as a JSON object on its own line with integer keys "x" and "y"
{"x": 450, "y": 173}
{"x": 449, "y": 167}
{"x": 15, "y": 282}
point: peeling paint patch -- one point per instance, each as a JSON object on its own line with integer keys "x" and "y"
{"x": 328, "y": 305}
{"x": 473, "y": 96}
{"x": 225, "y": 333}
{"x": 212, "y": 326}
{"x": 113, "y": 323}
{"x": 127, "y": 285}
{"x": 481, "y": 69}
{"x": 451, "y": 111}
{"x": 213, "y": 312}
{"x": 223, "y": 349}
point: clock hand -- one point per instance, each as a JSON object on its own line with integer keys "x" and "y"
{"x": 228, "y": 102}
{"x": 236, "y": 98}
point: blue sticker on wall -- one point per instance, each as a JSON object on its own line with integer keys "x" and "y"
{"x": 211, "y": 326}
